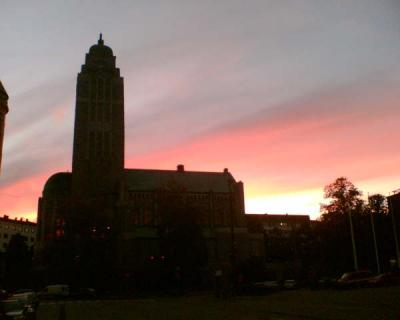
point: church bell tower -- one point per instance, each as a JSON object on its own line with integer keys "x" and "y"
{"x": 3, "y": 111}
{"x": 98, "y": 150}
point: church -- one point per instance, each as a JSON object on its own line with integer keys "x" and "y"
{"x": 102, "y": 198}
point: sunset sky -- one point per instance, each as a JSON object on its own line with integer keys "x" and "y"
{"x": 288, "y": 95}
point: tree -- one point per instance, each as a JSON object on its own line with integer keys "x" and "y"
{"x": 344, "y": 198}
{"x": 382, "y": 232}
{"x": 346, "y": 211}
{"x": 377, "y": 205}
{"x": 18, "y": 262}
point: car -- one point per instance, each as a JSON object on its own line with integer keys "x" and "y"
{"x": 83, "y": 293}
{"x": 28, "y": 298}
{"x": 24, "y": 290}
{"x": 3, "y": 294}
{"x": 355, "y": 279}
{"x": 268, "y": 284}
{"x": 290, "y": 284}
{"x": 260, "y": 287}
{"x": 13, "y": 309}
{"x": 385, "y": 279}
{"x": 55, "y": 291}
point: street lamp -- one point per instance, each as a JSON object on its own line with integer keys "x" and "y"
{"x": 378, "y": 265}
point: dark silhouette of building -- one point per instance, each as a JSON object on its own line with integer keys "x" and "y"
{"x": 284, "y": 223}
{"x": 287, "y": 241}
{"x": 394, "y": 210}
{"x": 3, "y": 112}
{"x": 129, "y": 203}
{"x": 98, "y": 152}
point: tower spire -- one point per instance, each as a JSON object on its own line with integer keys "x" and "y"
{"x": 101, "y": 41}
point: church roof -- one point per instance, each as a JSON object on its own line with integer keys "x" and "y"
{"x": 58, "y": 184}
{"x": 3, "y": 92}
{"x": 192, "y": 181}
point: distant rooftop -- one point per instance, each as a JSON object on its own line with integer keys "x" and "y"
{"x": 279, "y": 217}
{"x": 6, "y": 218}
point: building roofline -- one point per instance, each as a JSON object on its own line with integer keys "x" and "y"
{"x": 278, "y": 215}
{"x": 18, "y": 221}
{"x": 184, "y": 171}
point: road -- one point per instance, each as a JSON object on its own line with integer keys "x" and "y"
{"x": 371, "y": 304}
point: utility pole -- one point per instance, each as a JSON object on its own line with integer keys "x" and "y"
{"x": 353, "y": 241}
{"x": 378, "y": 265}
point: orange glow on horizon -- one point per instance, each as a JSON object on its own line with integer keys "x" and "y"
{"x": 305, "y": 202}
{"x": 19, "y": 200}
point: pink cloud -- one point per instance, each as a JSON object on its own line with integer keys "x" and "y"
{"x": 299, "y": 151}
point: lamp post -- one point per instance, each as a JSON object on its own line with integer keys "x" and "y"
{"x": 378, "y": 265}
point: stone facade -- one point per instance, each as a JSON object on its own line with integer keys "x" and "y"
{"x": 3, "y": 112}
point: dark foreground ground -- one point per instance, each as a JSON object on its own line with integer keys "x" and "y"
{"x": 371, "y": 303}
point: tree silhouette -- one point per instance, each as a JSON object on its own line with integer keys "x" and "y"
{"x": 377, "y": 205}
{"x": 344, "y": 197}
{"x": 338, "y": 220}
{"x": 18, "y": 262}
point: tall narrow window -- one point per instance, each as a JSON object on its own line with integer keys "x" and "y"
{"x": 100, "y": 89}
{"x": 100, "y": 110}
{"x": 92, "y": 111}
{"x": 107, "y": 143}
{"x": 106, "y": 112}
{"x": 107, "y": 90}
{"x": 99, "y": 144}
{"x": 93, "y": 89}
{"x": 91, "y": 144}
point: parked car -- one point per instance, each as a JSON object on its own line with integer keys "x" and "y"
{"x": 290, "y": 284}
{"x": 13, "y": 309}
{"x": 354, "y": 279}
{"x": 83, "y": 293}
{"x": 385, "y": 279}
{"x": 24, "y": 290}
{"x": 55, "y": 291}
{"x": 260, "y": 287}
{"x": 268, "y": 284}
{"x": 3, "y": 294}
{"x": 28, "y": 298}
